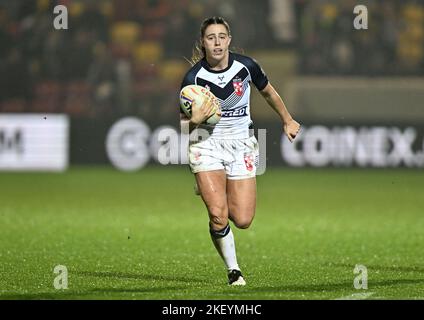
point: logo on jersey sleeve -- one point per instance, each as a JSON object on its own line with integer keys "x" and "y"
{"x": 238, "y": 86}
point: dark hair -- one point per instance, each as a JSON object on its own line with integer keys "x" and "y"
{"x": 199, "y": 51}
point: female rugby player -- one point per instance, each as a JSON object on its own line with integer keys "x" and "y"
{"x": 224, "y": 164}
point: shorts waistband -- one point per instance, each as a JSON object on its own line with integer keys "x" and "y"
{"x": 244, "y": 133}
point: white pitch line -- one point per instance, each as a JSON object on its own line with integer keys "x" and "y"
{"x": 357, "y": 296}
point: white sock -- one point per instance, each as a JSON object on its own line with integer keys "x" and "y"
{"x": 225, "y": 245}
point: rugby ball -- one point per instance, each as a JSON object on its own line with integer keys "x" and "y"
{"x": 192, "y": 93}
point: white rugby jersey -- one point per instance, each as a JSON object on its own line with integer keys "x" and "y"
{"x": 232, "y": 87}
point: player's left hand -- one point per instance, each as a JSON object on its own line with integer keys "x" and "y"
{"x": 291, "y": 128}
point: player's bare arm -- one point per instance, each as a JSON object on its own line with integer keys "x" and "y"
{"x": 290, "y": 126}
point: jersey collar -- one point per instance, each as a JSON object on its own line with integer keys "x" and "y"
{"x": 230, "y": 63}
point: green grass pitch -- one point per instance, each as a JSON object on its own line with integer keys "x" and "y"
{"x": 145, "y": 235}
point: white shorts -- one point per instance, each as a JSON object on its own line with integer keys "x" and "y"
{"x": 238, "y": 157}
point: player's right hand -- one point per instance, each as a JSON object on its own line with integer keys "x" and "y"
{"x": 201, "y": 113}
{"x": 291, "y": 128}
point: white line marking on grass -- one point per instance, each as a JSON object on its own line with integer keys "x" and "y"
{"x": 357, "y": 296}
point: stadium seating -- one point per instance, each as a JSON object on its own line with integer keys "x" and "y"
{"x": 47, "y": 97}
{"x": 140, "y": 33}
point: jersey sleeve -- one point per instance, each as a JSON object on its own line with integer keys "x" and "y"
{"x": 188, "y": 79}
{"x": 259, "y": 77}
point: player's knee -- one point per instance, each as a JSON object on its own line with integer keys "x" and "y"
{"x": 243, "y": 223}
{"x": 218, "y": 222}
{"x": 218, "y": 216}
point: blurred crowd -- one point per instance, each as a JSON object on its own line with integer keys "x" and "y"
{"x": 116, "y": 57}
{"x": 393, "y": 44}
{"x": 122, "y": 57}
{"x": 113, "y": 59}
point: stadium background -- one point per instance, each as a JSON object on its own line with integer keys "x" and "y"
{"x": 357, "y": 93}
